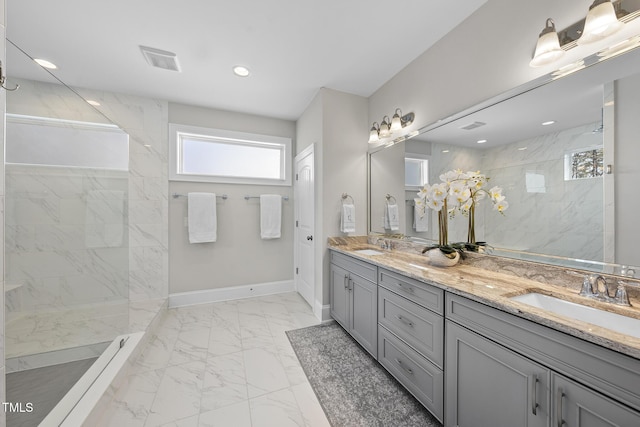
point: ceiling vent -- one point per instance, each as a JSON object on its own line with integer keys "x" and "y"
{"x": 160, "y": 58}
{"x": 473, "y": 125}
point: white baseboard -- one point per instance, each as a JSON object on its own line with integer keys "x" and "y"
{"x": 226, "y": 294}
{"x": 322, "y": 312}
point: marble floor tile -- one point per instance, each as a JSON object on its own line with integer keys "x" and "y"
{"x": 221, "y": 364}
{"x": 277, "y": 409}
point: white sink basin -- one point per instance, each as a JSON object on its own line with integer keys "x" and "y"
{"x": 368, "y": 252}
{"x": 615, "y": 322}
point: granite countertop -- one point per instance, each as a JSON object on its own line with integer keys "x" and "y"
{"x": 494, "y": 288}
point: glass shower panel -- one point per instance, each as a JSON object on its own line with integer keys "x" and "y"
{"x": 66, "y": 223}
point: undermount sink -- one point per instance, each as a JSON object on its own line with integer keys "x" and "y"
{"x": 615, "y": 322}
{"x": 368, "y": 252}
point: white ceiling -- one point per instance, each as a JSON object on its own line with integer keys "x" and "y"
{"x": 292, "y": 47}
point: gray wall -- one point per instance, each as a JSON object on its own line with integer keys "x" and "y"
{"x": 239, "y": 256}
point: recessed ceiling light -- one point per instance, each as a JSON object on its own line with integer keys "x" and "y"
{"x": 482, "y": 141}
{"x": 241, "y": 71}
{"x": 46, "y": 64}
{"x": 550, "y": 122}
{"x": 522, "y": 148}
{"x": 445, "y": 151}
{"x": 92, "y": 102}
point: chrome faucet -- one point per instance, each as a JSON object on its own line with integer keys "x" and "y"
{"x": 595, "y": 286}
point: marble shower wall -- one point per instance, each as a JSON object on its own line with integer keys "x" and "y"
{"x": 146, "y": 122}
{"x": 546, "y": 213}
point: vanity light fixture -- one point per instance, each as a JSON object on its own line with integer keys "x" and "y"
{"x": 601, "y": 22}
{"x": 604, "y": 18}
{"x": 46, "y": 64}
{"x": 548, "y": 47}
{"x": 390, "y": 127}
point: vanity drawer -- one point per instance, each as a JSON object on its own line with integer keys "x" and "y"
{"x": 356, "y": 266}
{"x": 420, "y": 328}
{"x": 421, "y": 293}
{"x": 423, "y": 379}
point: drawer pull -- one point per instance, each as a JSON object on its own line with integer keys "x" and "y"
{"x": 534, "y": 393}
{"x": 405, "y": 321}
{"x": 405, "y": 288}
{"x": 346, "y": 277}
{"x": 560, "y": 398}
{"x": 409, "y": 370}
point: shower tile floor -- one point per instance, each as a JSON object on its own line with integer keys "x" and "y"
{"x": 222, "y": 364}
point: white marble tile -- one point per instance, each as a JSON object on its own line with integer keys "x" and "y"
{"x": 224, "y": 340}
{"x": 133, "y": 401}
{"x": 310, "y": 408}
{"x": 237, "y": 415}
{"x": 192, "y": 344}
{"x": 277, "y": 409}
{"x": 225, "y": 382}
{"x": 178, "y": 395}
{"x": 265, "y": 372}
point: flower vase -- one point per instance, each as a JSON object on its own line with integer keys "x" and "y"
{"x": 471, "y": 231}
{"x": 440, "y": 259}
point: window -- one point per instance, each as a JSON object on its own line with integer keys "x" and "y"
{"x": 416, "y": 171}
{"x": 214, "y": 155}
{"x": 586, "y": 163}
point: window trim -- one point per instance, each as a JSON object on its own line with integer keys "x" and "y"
{"x": 176, "y": 131}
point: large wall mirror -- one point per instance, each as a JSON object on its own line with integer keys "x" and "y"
{"x": 563, "y": 148}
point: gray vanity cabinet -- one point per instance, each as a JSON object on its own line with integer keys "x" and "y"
{"x": 579, "y": 406}
{"x": 502, "y": 370}
{"x": 411, "y": 336}
{"x": 354, "y": 299}
{"x": 488, "y": 385}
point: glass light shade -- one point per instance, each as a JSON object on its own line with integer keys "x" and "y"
{"x": 396, "y": 123}
{"x": 601, "y": 22}
{"x": 373, "y": 135}
{"x": 547, "y": 50}
{"x": 384, "y": 128}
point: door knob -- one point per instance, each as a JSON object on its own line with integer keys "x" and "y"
{"x": 309, "y": 237}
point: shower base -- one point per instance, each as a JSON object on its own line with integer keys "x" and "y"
{"x": 41, "y": 389}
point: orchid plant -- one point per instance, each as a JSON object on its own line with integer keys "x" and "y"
{"x": 458, "y": 191}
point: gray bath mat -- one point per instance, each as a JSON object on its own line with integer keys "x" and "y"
{"x": 353, "y": 389}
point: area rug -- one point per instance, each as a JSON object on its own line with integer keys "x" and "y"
{"x": 352, "y": 387}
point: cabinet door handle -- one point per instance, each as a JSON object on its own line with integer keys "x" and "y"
{"x": 407, "y": 289}
{"x": 405, "y": 321}
{"x": 534, "y": 394}
{"x": 560, "y": 398}
{"x": 346, "y": 277}
{"x": 350, "y": 282}
{"x": 409, "y": 370}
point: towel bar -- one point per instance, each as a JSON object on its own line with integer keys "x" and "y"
{"x": 176, "y": 195}
{"x": 257, "y": 197}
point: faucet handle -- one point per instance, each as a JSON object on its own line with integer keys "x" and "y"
{"x": 621, "y": 297}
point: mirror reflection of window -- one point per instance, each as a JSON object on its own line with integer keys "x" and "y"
{"x": 416, "y": 171}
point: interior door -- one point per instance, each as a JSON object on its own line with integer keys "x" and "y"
{"x": 304, "y": 207}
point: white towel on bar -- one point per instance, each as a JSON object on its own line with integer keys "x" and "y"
{"x": 348, "y": 219}
{"x": 420, "y": 219}
{"x": 202, "y": 217}
{"x": 391, "y": 218}
{"x": 104, "y": 219}
{"x": 270, "y": 216}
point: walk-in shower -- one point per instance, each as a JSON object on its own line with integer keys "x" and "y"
{"x": 66, "y": 238}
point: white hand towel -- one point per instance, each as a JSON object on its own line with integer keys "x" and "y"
{"x": 348, "y": 219}
{"x": 392, "y": 218}
{"x": 104, "y": 216}
{"x": 202, "y": 217}
{"x": 420, "y": 219}
{"x": 270, "y": 216}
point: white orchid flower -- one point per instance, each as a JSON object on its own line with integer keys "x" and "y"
{"x": 501, "y": 206}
